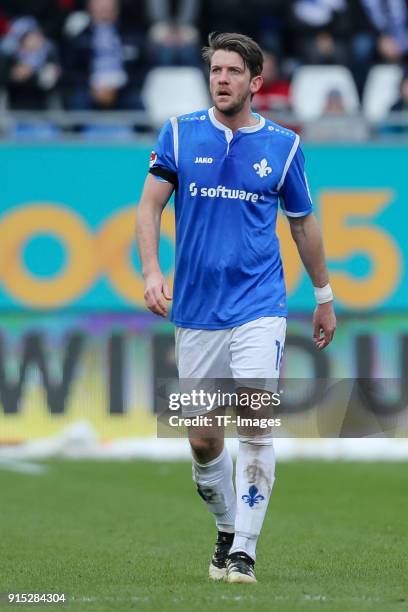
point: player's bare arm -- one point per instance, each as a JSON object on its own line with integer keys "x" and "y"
{"x": 154, "y": 198}
{"x": 307, "y": 236}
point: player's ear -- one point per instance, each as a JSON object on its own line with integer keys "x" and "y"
{"x": 256, "y": 84}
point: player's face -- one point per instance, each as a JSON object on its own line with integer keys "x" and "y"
{"x": 230, "y": 82}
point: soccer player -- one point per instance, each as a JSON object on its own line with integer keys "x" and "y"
{"x": 230, "y": 169}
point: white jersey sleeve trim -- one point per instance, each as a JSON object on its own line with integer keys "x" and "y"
{"x": 302, "y": 213}
{"x": 289, "y": 161}
{"x": 174, "y": 125}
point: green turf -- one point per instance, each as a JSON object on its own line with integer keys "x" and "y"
{"x": 135, "y": 536}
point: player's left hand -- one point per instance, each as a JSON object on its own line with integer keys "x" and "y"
{"x": 324, "y": 325}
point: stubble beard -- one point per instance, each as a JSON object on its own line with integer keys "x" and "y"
{"x": 234, "y": 108}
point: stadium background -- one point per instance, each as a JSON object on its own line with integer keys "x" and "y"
{"x": 77, "y": 343}
{"x": 79, "y": 354}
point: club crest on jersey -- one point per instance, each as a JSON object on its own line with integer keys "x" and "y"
{"x": 153, "y": 159}
{"x": 262, "y": 169}
{"x": 203, "y": 160}
{"x": 253, "y": 497}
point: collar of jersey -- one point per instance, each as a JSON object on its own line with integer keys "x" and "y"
{"x": 247, "y": 129}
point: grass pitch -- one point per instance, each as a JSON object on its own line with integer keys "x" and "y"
{"x": 135, "y": 536}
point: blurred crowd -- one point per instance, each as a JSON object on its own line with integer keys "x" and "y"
{"x": 95, "y": 54}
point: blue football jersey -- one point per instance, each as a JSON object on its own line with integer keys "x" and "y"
{"x": 228, "y": 186}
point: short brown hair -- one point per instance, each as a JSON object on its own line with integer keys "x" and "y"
{"x": 245, "y": 46}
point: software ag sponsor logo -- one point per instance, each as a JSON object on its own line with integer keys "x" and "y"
{"x": 221, "y": 191}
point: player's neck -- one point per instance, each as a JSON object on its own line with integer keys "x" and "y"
{"x": 244, "y": 118}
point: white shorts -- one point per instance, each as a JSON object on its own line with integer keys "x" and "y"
{"x": 248, "y": 355}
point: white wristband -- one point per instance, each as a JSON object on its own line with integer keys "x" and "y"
{"x": 323, "y": 294}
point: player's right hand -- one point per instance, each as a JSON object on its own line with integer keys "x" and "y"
{"x": 155, "y": 290}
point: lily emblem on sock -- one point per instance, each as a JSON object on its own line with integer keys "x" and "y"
{"x": 253, "y": 497}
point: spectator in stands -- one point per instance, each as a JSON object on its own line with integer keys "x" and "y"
{"x": 334, "y": 105}
{"x": 274, "y": 93}
{"x": 389, "y": 19}
{"x": 50, "y": 14}
{"x": 362, "y": 44}
{"x": 336, "y": 123}
{"x": 103, "y": 59}
{"x": 173, "y": 35}
{"x": 29, "y": 66}
{"x": 264, "y": 20}
{"x": 320, "y": 31}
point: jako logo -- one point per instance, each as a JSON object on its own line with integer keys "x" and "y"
{"x": 223, "y": 192}
{"x": 203, "y": 160}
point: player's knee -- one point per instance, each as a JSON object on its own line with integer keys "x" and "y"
{"x": 206, "y": 449}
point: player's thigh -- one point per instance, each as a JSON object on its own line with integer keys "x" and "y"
{"x": 202, "y": 353}
{"x": 203, "y": 363}
{"x": 256, "y": 351}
